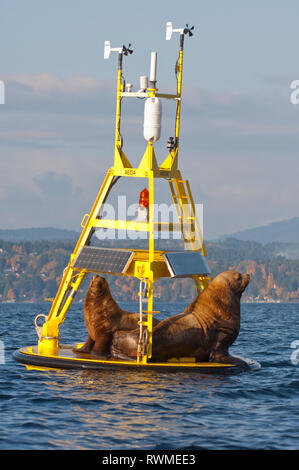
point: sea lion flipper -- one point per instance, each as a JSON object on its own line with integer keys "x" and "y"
{"x": 220, "y": 352}
{"x": 228, "y": 359}
{"x": 102, "y": 344}
{"x": 87, "y": 346}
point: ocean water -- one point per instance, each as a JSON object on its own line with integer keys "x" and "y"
{"x": 99, "y": 410}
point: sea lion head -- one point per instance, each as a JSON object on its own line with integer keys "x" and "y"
{"x": 99, "y": 287}
{"x": 236, "y": 281}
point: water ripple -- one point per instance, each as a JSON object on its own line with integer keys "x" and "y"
{"x": 148, "y": 410}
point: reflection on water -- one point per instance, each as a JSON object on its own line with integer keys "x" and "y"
{"x": 114, "y": 405}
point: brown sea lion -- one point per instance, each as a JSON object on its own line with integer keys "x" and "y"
{"x": 204, "y": 330}
{"x": 103, "y": 317}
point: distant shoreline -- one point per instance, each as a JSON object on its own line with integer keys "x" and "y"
{"x": 30, "y": 272}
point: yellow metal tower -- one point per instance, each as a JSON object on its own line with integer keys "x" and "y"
{"x": 150, "y": 264}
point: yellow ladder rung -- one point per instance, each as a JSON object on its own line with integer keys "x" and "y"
{"x": 180, "y": 197}
{"x": 145, "y": 311}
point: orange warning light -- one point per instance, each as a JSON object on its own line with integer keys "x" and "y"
{"x": 144, "y": 198}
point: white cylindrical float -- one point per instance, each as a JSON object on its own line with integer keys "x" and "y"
{"x": 152, "y": 119}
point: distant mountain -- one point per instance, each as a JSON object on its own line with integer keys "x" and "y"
{"x": 41, "y": 233}
{"x": 285, "y": 231}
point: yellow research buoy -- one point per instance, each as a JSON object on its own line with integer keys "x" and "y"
{"x": 147, "y": 265}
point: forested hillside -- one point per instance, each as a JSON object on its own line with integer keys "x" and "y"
{"x": 31, "y": 271}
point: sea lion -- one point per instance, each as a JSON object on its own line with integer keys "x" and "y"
{"x": 103, "y": 317}
{"x": 204, "y": 330}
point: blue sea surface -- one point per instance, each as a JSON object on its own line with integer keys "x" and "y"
{"x": 71, "y": 409}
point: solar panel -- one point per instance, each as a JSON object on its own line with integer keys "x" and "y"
{"x": 103, "y": 260}
{"x": 186, "y": 263}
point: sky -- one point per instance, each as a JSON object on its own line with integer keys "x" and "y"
{"x": 239, "y": 130}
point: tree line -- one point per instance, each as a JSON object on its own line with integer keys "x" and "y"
{"x": 31, "y": 272}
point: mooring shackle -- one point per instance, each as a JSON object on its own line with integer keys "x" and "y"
{"x": 142, "y": 291}
{"x": 144, "y": 342}
{"x": 39, "y": 329}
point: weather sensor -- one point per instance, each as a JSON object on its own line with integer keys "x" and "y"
{"x": 170, "y": 30}
{"x": 121, "y": 50}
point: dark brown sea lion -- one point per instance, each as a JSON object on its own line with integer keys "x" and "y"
{"x": 103, "y": 317}
{"x": 204, "y": 330}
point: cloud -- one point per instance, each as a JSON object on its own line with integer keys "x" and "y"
{"x": 48, "y": 93}
{"x": 50, "y": 199}
{"x": 53, "y": 184}
{"x": 239, "y": 149}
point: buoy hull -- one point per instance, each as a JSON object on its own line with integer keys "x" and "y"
{"x": 66, "y": 358}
